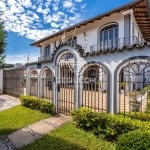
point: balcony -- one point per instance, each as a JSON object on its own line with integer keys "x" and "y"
{"x": 44, "y": 58}
{"x": 121, "y": 43}
{"x": 100, "y": 47}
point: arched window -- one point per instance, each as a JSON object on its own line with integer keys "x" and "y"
{"x": 66, "y": 57}
{"x": 92, "y": 73}
{"x": 47, "y": 51}
{"x": 108, "y": 37}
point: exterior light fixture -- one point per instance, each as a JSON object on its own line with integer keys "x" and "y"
{"x": 85, "y": 36}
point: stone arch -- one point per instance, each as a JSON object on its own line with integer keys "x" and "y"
{"x": 46, "y": 83}
{"x": 65, "y": 49}
{"x": 32, "y": 71}
{"x": 94, "y": 86}
{"x": 132, "y": 79}
{"x": 66, "y": 58}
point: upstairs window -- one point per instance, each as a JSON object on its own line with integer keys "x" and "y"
{"x": 109, "y": 36}
{"x": 47, "y": 50}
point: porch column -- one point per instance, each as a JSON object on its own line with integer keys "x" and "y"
{"x": 38, "y": 86}
{"x": 54, "y": 85}
{"x": 111, "y": 86}
{"x": 76, "y": 88}
{"x": 28, "y": 84}
{"x": 81, "y": 82}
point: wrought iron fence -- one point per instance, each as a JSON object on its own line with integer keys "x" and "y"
{"x": 134, "y": 89}
{"x": 95, "y": 88}
{"x": 65, "y": 89}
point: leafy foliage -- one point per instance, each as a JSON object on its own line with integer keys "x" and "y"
{"x": 3, "y": 36}
{"x": 36, "y": 103}
{"x": 135, "y": 140}
{"x": 106, "y": 125}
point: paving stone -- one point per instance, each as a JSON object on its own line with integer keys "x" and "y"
{"x": 7, "y": 102}
{"x": 21, "y": 137}
{"x": 33, "y": 132}
{"x": 41, "y": 128}
{"x": 5, "y": 144}
{"x": 56, "y": 121}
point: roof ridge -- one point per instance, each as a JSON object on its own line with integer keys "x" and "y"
{"x": 126, "y": 6}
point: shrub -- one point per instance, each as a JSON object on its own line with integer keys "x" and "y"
{"x": 141, "y": 116}
{"x": 106, "y": 125}
{"x": 135, "y": 140}
{"x": 36, "y": 103}
{"x": 83, "y": 118}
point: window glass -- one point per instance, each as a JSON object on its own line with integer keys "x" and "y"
{"x": 109, "y": 37}
{"x": 47, "y": 52}
{"x": 109, "y": 33}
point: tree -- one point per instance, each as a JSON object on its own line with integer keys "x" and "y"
{"x": 3, "y": 36}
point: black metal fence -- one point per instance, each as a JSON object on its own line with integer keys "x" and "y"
{"x": 65, "y": 89}
{"x": 46, "y": 85}
{"x": 95, "y": 88}
{"x": 134, "y": 89}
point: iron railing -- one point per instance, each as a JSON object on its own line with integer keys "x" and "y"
{"x": 44, "y": 58}
{"x": 119, "y": 43}
{"x": 107, "y": 45}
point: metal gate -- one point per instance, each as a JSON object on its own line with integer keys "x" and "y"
{"x": 95, "y": 88}
{"x": 65, "y": 85}
{"x": 14, "y": 82}
{"x": 33, "y": 83}
{"x": 47, "y": 85}
{"x": 134, "y": 88}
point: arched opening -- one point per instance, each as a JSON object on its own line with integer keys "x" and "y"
{"x": 108, "y": 37}
{"x": 33, "y": 82}
{"x": 133, "y": 82}
{"x": 65, "y": 85}
{"x": 95, "y": 88}
{"x": 47, "y": 84}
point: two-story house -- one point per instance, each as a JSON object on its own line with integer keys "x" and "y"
{"x": 102, "y": 63}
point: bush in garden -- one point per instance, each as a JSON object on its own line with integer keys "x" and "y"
{"x": 37, "y": 103}
{"x": 83, "y": 118}
{"x": 135, "y": 140}
{"x": 106, "y": 125}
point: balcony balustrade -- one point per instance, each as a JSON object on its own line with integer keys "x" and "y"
{"x": 109, "y": 45}
{"x": 119, "y": 43}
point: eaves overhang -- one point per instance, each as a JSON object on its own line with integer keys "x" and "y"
{"x": 84, "y": 23}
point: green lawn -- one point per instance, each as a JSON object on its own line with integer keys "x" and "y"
{"x": 70, "y": 138}
{"x": 18, "y": 117}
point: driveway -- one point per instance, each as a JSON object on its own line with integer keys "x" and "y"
{"x": 7, "y": 102}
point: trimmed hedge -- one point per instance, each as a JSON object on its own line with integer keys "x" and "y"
{"x": 37, "y": 104}
{"x": 135, "y": 140}
{"x": 106, "y": 125}
{"x": 139, "y": 116}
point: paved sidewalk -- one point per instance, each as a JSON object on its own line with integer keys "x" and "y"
{"x": 33, "y": 132}
{"x": 7, "y": 102}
